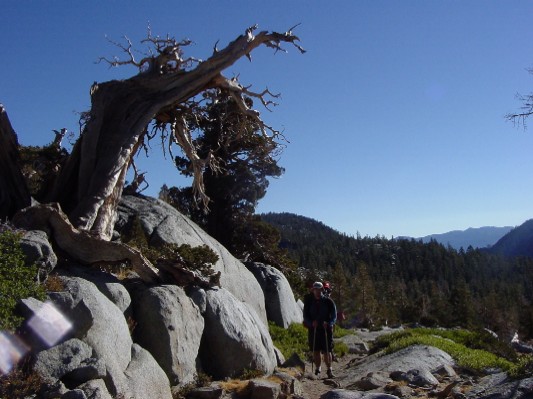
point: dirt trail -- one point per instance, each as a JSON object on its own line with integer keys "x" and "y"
{"x": 314, "y": 387}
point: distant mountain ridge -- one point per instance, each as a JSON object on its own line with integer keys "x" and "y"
{"x": 477, "y": 237}
{"x": 304, "y": 236}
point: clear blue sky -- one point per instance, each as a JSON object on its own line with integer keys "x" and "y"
{"x": 395, "y": 115}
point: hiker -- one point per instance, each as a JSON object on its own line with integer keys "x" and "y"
{"x": 327, "y": 289}
{"x": 320, "y": 315}
{"x": 327, "y": 293}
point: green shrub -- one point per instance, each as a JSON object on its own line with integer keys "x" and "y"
{"x": 523, "y": 367}
{"x": 294, "y": 340}
{"x": 17, "y": 281}
{"x": 290, "y": 340}
{"x": 200, "y": 258}
{"x": 340, "y": 349}
{"x": 340, "y": 332}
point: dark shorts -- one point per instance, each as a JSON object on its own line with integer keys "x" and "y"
{"x": 321, "y": 341}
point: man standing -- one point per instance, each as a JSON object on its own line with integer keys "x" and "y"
{"x": 320, "y": 315}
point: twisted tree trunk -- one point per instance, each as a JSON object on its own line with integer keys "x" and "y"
{"x": 91, "y": 184}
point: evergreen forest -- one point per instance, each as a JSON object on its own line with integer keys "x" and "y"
{"x": 379, "y": 281}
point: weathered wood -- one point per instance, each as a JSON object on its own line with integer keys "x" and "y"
{"x": 91, "y": 183}
{"x": 14, "y": 194}
{"x": 80, "y": 245}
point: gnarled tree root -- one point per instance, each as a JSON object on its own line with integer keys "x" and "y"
{"x": 80, "y": 245}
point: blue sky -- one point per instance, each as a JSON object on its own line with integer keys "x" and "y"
{"x": 395, "y": 115}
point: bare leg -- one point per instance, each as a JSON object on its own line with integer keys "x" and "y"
{"x": 317, "y": 359}
{"x": 327, "y": 359}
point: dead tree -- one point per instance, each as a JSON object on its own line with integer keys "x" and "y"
{"x": 90, "y": 184}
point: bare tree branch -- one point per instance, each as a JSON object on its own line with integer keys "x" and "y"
{"x": 520, "y": 118}
{"x": 167, "y": 84}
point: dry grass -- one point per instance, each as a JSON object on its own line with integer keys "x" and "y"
{"x": 54, "y": 283}
{"x": 20, "y": 384}
{"x": 240, "y": 387}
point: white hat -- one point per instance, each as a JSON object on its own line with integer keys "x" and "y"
{"x": 318, "y": 285}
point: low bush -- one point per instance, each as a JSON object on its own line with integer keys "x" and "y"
{"x": 201, "y": 258}
{"x": 294, "y": 340}
{"x": 19, "y": 384}
{"x": 17, "y": 281}
{"x": 290, "y": 340}
{"x": 340, "y": 332}
{"x": 523, "y": 367}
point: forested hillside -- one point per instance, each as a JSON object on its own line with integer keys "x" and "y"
{"x": 381, "y": 281}
{"x": 518, "y": 241}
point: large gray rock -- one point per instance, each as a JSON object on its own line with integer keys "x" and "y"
{"x": 499, "y": 386}
{"x": 164, "y": 224}
{"x": 416, "y": 357}
{"x": 263, "y": 389}
{"x": 107, "y": 284}
{"x": 100, "y": 324}
{"x": 145, "y": 378}
{"x": 281, "y": 307}
{"x": 105, "y": 330}
{"x": 108, "y": 334}
{"x": 54, "y": 363}
{"x": 170, "y": 326}
{"x": 234, "y": 338}
{"x": 37, "y": 249}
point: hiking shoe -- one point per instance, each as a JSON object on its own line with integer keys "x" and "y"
{"x": 330, "y": 374}
{"x": 317, "y": 371}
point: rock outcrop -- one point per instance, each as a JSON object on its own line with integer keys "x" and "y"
{"x": 97, "y": 346}
{"x": 281, "y": 307}
{"x": 170, "y": 326}
{"x": 416, "y": 360}
{"x": 163, "y": 224}
{"x": 234, "y": 338}
{"x": 112, "y": 337}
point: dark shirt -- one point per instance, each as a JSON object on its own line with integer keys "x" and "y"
{"x": 322, "y": 310}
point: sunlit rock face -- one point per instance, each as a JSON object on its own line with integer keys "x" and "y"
{"x": 170, "y": 326}
{"x": 280, "y": 304}
{"x": 164, "y": 224}
{"x": 234, "y": 337}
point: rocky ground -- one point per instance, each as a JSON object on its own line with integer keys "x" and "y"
{"x": 415, "y": 372}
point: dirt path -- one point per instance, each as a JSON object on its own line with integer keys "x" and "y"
{"x": 314, "y": 387}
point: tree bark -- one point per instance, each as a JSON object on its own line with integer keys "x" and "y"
{"x": 14, "y": 194}
{"x": 90, "y": 185}
{"x": 80, "y": 245}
